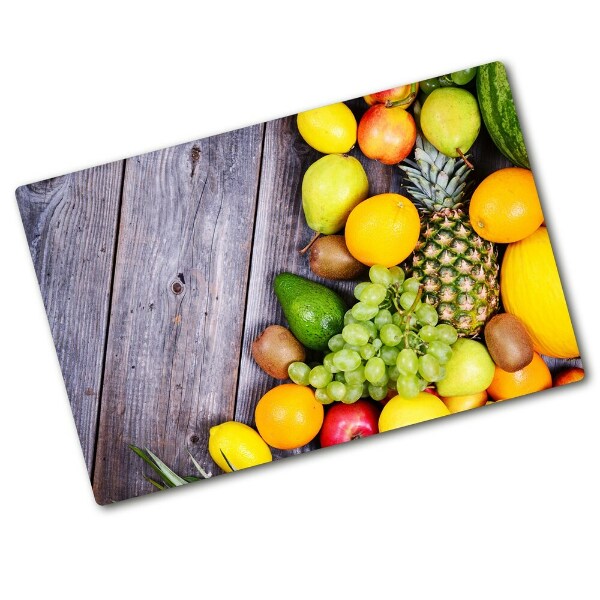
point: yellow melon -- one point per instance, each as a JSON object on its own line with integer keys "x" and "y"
{"x": 531, "y": 290}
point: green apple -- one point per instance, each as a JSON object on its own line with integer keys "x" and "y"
{"x": 470, "y": 370}
{"x": 332, "y": 186}
{"x": 450, "y": 120}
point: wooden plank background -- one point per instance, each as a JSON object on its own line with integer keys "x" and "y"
{"x": 156, "y": 274}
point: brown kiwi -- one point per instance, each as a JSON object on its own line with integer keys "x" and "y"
{"x": 275, "y": 349}
{"x": 508, "y": 342}
{"x": 329, "y": 258}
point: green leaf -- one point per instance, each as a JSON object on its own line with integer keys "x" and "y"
{"x": 167, "y": 474}
{"x": 154, "y": 483}
{"x": 202, "y": 472}
{"x": 227, "y": 460}
{"x": 170, "y": 478}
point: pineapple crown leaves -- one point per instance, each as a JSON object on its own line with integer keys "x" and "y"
{"x": 436, "y": 181}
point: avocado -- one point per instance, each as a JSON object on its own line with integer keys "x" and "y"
{"x": 313, "y": 311}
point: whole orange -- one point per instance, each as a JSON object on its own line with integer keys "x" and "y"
{"x": 289, "y": 416}
{"x": 505, "y": 207}
{"x": 382, "y": 230}
{"x": 532, "y": 378}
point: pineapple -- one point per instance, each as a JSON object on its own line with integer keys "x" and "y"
{"x": 457, "y": 269}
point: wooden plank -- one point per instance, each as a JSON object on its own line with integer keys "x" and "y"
{"x": 281, "y": 231}
{"x": 179, "y": 295}
{"x": 71, "y": 225}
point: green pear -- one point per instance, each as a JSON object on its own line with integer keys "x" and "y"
{"x": 470, "y": 370}
{"x": 450, "y": 120}
{"x": 332, "y": 186}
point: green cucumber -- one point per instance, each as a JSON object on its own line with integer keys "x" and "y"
{"x": 499, "y": 114}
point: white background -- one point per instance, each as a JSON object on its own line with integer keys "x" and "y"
{"x": 498, "y": 503}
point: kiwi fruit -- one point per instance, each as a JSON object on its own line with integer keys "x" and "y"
{"x": 329, "y": 258}
{"x": 508, "y": 342}
{"x": 275, "y": 349}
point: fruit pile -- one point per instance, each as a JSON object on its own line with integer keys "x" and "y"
{"x": 457, "y": 295}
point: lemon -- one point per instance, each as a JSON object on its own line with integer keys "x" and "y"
{"x": 330, "y": 129}
{"x": 242, "y": 446}
{"x": 400, "y": 412}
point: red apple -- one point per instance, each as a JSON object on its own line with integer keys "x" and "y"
{"x": 403, "y": 95}
{"x": 569, "y": 375}
{"x": 345, "y": 422}
{"x": 387, "y": 134}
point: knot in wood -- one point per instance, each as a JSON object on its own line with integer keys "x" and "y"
{"x": 177, "y": 287}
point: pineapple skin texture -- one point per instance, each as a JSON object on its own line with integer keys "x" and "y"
{"x": 458, "y": 270}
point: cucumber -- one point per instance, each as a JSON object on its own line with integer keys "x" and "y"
{"x": 499, "y": 114}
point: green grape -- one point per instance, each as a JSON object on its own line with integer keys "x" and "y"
{"x": 346, "y": 360}
{"x": 383, "y": 317}
{"x": 339, "y": 376}
{"x": 426, "y": 314}
{"x": 374, "y": 369}
{"x": 411, "y": 285}
{"x": 358, "y": 290}
{"x": 463, "y": 76}
{"x": 428, "y": 85}
{"x": 299, "y": 372}
{"x": 353, "y": 393}
{"x": 378, "y": 392}
{"x": 328, "y": 363}
{"x": 355, "y": 377}
{"x": 423, "y": 384}
{"x": 389, "y": 354}
{"x": 336, "y": 342}
{"x": 352, "y": 347}
{"x": 407, "y": 386}
{"x": 383, "y": 381}
{"x": 390, "y": 334}
{"x": 322, "y": 396}
{"x": 336, "y": 390}
{"x": 319, "y": 376}
{"x": 380, "y": 274}
{"x": 371, "y": 327}
{"x": 355, "y": 334}
{"x": 407, "y": 299}
{"x": 411, "y": 322}
{"x": 365, "y": 390}
{"x": 367, "y": 351}
{"x": 441, "y": 351}
{"x": 377, "y": 343}
{"x": 429, "y": 367}
{"x": 373, "y": 294}
{"x": 428, "y": 333}
{"x": 398, "y": 320}
{"x": 407, "y": 362}
{"x": 364, "y": 312}
{"x": 397, "y": 274}
{"x": 446, "y": 334}
{"x": 393, "y": 373}
{"x": 349, "y": 318}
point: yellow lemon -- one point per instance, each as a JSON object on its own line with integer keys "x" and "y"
{"x": 330, "y": 129}
{"x": 400, "y": 411}
{"x": 242, "y": 446}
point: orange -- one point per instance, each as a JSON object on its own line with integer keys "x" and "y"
{"x": 459, "y": 403}
{"x": 505, "y": 207}
{"x": 289, "y": 416}
{"x": 532, "y": 378}
{"x": 382, "y": 230}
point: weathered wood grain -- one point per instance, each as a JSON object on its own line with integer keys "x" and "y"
{"x": 179, "y": 295}
{"x": 71, "y": 223}
{"x": 280, "y": 232}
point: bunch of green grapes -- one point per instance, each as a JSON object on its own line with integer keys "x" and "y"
{"x": 391, "y": 340}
